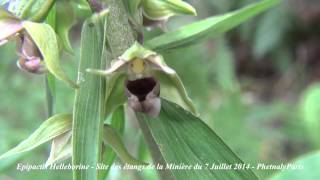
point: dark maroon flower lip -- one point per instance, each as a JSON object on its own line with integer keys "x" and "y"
{"x": 142, "y": 87}
{"x": 143, "y": 95}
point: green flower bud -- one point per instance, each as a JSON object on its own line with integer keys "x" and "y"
{"x": 163, "y": 9}
{"x": 147, "y": 78}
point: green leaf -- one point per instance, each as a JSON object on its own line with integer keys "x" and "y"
{"x": 112, "y": 138}
{"x": 311, "y": 112}
{"x": 117, "y": 122}
{"x": 34, "y": 10}
{"x": 51, "y": 128}
{"x": 45, "y": 38}
{"x": 210, "y": 27}
{"x": 185, "y": 139}
{"x": 89, "y": 102}
{"x": 310, "y": 164}
{"x": 65, "y": 20}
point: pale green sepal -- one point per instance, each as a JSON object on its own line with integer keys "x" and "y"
{"x": 172, "y": 89}
{"x": 61, "y": 149}
{"x": 136, "y": 51}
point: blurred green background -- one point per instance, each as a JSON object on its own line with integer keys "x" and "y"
{"x": 257, "y": 87}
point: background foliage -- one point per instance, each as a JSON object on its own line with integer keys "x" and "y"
{"x": 256, "y": 87}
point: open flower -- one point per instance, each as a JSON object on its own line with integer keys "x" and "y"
{"x": 147, "y": 78}
{"x": 30, "y": 58}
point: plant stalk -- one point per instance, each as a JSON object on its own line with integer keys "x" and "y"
{"x": 120, "y": 37}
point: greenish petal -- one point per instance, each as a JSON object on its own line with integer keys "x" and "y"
{"x": 172, "y": 89}
{"x": 61, "y": 148}
{"x": 136, "y": 51}
{"x": 115, "y": 95}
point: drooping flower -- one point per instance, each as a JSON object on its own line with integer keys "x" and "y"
{"x": 30, "y": 58}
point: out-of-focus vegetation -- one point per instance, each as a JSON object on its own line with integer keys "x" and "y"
{"x": 257, "y": 88}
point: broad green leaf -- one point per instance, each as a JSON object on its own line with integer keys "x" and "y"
{"x": 45, "y": 38}
{"x": 117, "y": 122}
{"x": 89, "y": 102}
{"x": 48, "y": 130}
{"x": 112, "y": 138}
{"x": 185, "y": 139}
{"x": 311, "y": 111}
{"x": 207, "y": 28}
{"x": 310, "y": 165}
{"x": 34, "y": 10}
{"x": 65, "y": 20}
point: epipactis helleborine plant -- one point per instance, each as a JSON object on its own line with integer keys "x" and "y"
{"x": 147, "y": 78}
